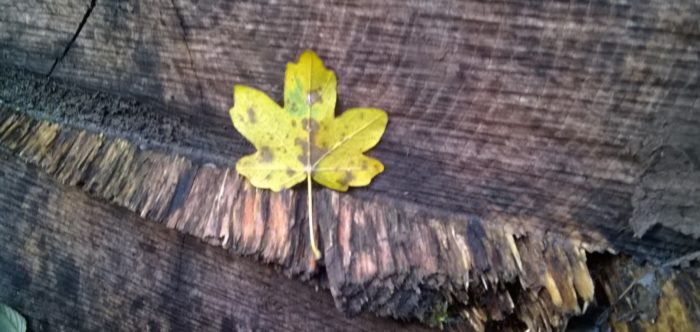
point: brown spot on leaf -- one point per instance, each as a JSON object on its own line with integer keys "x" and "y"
{"x": 364, "y": 165}
{"x": 268, "y": 177}
{"x": 290, "y": 171}
{"x": 347, "y": 178}
{"x": 313, "y": 97}
{"x": 265, "y": 154}
{"x": 304, "y": 149}
{"x": 316, "y": 151}
{"x": 294, "y": 123}
{"x": 251, "y": 115}
{"x": 310, "y": 125}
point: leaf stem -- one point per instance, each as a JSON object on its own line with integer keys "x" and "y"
{"x": 310, "y": 201}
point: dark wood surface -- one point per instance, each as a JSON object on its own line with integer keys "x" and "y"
{"x": 72, "y": 263}
{"x": 36, "y": 34}
{"x": 557, "y": 129}
{"x": 547, "y": 115}
{"x": 401, "y": 262}
{"x": 396, "y": 262}
{"x": 649, "y": 298}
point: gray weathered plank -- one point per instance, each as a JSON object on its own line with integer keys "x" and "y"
{"x": 35, "y": 34}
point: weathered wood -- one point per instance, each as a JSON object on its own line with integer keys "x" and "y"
{"x": 512, "y": 125}
{"x": 649, "y": 298}
{"x": 36, "y": 34}
{"x": 507, "y": 111}
{"x": 398, "y": 262}
{"x": 500, "y": 102}
{"x": 669, "y": 191}
{"x": 68, "y": 262}
{"x": 394, "y": 262}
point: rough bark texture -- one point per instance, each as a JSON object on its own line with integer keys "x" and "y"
{"x": 649, "y": 298}
{"x": 71, "y": 263}
{"x": 521, "y": 136}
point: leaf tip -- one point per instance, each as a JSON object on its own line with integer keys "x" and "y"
{"x": 308, "y": 53}
{"x": 238, "y": 89}
{"x": 310, "y": 58}
{"x": 380, "y": 168}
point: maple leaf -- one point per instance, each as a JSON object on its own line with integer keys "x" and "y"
{"x": 304, "y": 140}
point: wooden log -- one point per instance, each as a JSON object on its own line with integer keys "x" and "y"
{"x": 500, "y": 102}
{"x": 533, "y": 132}
{"x": 401, "y": 262}
{"x": 69, "y": 262}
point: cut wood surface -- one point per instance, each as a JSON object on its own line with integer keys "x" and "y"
{"x": 71, "y": 263}
{"x": 521, "y": 136}
{"x": 399, "y": 261}
{"x": 546, "y": 115}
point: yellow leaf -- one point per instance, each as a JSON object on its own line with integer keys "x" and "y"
{"x": 303, "y": 140}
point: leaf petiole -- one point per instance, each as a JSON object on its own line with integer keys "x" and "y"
{"x": 310, "y": 201}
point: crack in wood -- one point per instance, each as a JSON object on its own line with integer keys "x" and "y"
{"x": 181, "y": 22}
{"x": 75, "y": 36}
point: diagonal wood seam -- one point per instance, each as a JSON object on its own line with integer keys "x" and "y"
{"x": 181, "y": 22}
{"x": 249, "y": 221}
{"x": 88, "y": 11}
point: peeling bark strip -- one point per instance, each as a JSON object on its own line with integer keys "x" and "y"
{"x": 393, "y": 261}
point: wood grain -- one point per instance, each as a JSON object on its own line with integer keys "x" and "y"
{"x": 396, "y": 262}
{"x": 36, "y": 34}
{"x": 70, "y": 262}
{"x": 491, "y": 104}
{"x": 533, "y": 132}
